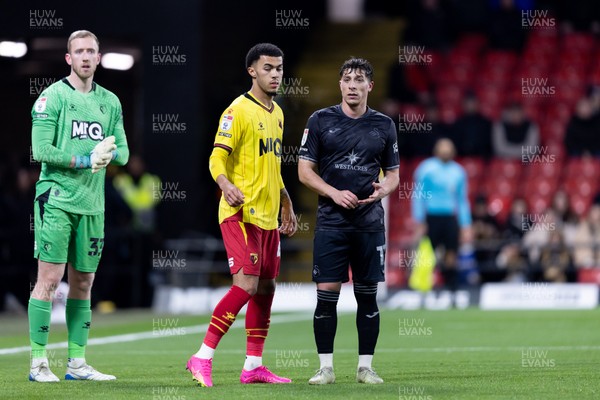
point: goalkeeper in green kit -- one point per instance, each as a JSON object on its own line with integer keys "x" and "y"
{"x": 77, "y": 131}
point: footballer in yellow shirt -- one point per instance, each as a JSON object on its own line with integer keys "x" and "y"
{"x": 250, "y": 136}
{"x": 246, "y": 164}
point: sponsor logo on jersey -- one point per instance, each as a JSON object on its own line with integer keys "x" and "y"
{"x": 102, "y": 108}
{"x": 86, "y": 129}
{"x": 261, "y": 126}
{"x": 268, "y": 145}
{"x": 227, "y": 135}
{"x": 353, "y": 158}
{"x": 72, "y": 107}
{"x": 227, "y": 122}
{"x": 40, "y": 105}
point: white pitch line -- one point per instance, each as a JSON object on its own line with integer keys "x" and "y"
{"x": 133, "y": 337}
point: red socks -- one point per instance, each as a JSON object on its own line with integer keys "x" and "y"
{"x": 258, "y": 317}
{"x": 224, "y": 315}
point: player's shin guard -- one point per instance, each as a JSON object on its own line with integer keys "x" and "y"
{"x": 258, "y": 317}
{"x": 79, "y": 320}
{"x": 224, "y": 315}
{"x": 367, "y": 316}
{"x": 325, "y": 320}
{"x": 39, "y": 326}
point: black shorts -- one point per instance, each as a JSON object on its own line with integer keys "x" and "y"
{"x": 335, "y": 251}
{"x": 443, "y": 230}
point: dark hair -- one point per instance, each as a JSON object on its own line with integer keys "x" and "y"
{"x": 262, "y": 49}
{"x": 358, "y": 63}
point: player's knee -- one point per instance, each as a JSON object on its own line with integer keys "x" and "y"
{"x": 266, "y": 287}
{"x": 249, "y": 288}
{"x": 365, "y": 292}
{"x": 82, "y": 283}
{"x": 330, "y": 286}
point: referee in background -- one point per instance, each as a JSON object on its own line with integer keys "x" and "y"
{"x": 443, "y": 211}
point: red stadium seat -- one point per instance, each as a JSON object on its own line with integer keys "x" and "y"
{"x": 580, "y": 204}
{"x": 500, "y": 185}
{"x": 578, "y": 41}
{"x": 506, "y": 168}
{"x": 538, "y": 204}
{"x": 580, "y": 186}
{"x": 583, "y": 167}
{"x": 474, "y": 166}
{"x": 541, "y": 186}
{"x": 553, "y": 130}
{"x": 551, "y": 170}
{"x": 499, "y": 207}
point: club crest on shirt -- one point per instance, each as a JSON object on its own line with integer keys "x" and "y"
{"x": 253, "y": 258}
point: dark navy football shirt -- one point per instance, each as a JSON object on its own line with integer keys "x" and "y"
{"x": 350, "y": 153}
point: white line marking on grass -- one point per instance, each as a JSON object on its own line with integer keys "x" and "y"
{"x": 134, "y": 337}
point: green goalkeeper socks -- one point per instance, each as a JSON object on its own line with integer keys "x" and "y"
{"x": 79, "y": 319}
{"x": 39, "y": 326}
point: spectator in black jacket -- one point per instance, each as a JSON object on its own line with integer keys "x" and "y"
{"x": 581, "y": 136}
{"x": 472, "y": 132}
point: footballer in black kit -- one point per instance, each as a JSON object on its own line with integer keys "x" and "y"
{"x": 344, "y": 149}
{"x": 350, "y": 153}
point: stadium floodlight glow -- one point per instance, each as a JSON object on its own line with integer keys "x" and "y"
{"x": 119, "y": 61}
{"x": 12, "y": 49}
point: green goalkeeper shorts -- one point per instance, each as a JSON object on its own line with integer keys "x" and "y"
{"x": 62, "y": 237}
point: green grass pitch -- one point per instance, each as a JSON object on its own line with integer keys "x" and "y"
{"x": 421, "y": 355}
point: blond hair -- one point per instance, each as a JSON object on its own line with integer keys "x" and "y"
{"x": 81, "y": 34}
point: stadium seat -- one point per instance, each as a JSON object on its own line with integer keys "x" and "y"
{"x": 506, "y": 168}
{"x": 500, "y": 185}
{"x": 583, "y": 167}
{"x": 580, "y": 204}
{"x": 537, "y": 204}
{"x": 474, "y": 166}
{"x": 581, "y": 186}
{"x": 499, "y": 207}
{"x": 551, "y": 170}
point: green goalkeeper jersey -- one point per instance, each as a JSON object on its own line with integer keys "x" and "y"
{"x": 69, "y": 123}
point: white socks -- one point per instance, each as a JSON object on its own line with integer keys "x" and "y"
{"x": 75, "y": 362}
{"x": 38, "y": 360}
{"x": 326, "y": 360}
{"x": 365, "y": 360}
{"x": 205, "y": 352}
{"x": 252, "y": 362}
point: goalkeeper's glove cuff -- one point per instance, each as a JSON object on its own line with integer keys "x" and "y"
{"x": 115, "y": 154}
{"x": 82, "y": 162}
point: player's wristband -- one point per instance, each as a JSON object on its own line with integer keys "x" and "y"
{"x": 115, "y": 154}
{"x": 82, "y": 162}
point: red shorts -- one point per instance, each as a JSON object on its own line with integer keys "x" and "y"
{"x": 249, "y": 247}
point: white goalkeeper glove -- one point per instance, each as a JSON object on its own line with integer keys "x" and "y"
{"x": 102, "y": 154}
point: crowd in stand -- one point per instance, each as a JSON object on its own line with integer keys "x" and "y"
{"x": 525, "y": 242}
